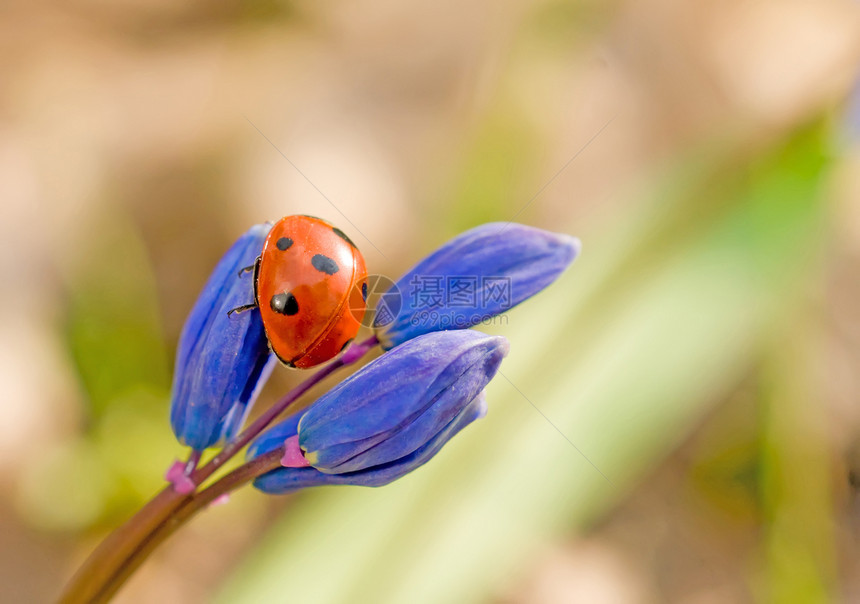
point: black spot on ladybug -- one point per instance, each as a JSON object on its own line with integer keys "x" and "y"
{"x": 284, "y": 303}
{"x": 364, "y": 291}
{"x": 284, "y": 243}
{"x": 324, "y": 264}
{"x": 343, "y": 236}
{"x": 346, "y": 344}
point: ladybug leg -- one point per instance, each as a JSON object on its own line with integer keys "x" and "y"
{"x": 252, "y": 267}
{"x": 242, "y": 308}
{"x": 256, "y": 268}
{"x": 247, "y": 269}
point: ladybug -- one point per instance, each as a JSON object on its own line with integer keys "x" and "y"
{"x": 310, "y": 284}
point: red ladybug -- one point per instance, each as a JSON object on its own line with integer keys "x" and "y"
{"x": 310, "y": 286}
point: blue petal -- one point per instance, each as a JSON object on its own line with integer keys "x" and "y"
{"x": 506, "y": 263}
{"x": 396, "y": 403}
{"x": 221, "y": 361}
{"x": 286, "y": 480}
{"x": 274, "y": 436}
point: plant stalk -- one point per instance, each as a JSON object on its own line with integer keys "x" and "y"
{"x": 126, "y": 546}
{"x": 187, "y": 509}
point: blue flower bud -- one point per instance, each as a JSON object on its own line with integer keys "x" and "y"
{"x": 222, "y": 361}
{"x": 391, "y": 416}
{"x": 474, "y": 277}
{"x": 287, "y": 480}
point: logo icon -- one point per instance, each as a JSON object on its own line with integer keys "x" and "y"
{"x": 383, "y": 300}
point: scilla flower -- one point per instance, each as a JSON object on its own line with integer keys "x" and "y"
{"x": 474, "y": 277}
{"x": 221, "y": 361}
{"x": 374, "y": 427}
{"x": 388, "y": 418}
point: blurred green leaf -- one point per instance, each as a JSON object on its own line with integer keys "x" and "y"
{"x": 115, "y": 339}
{"x": 113, "y": 326}
{"x": 493, "y": 180}
{"x": 663, "y": 314}
{"x": 67, "y": 488}
{"x": 796, "y": 490}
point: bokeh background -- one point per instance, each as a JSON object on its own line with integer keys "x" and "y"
{"x": 703, "y": 353}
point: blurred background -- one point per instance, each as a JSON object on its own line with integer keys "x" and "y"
{"x": 685, "y": 421}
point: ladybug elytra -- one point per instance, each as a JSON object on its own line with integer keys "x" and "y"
{"x": 309, "y": 286}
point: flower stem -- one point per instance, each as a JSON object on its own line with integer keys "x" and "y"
{"x": 266, "y": 418}
{"x": 101, "y": 564}
{"x": 193, "y": 460}
{"x": 127, "y": 544}
{"x": 182, "y": 514}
